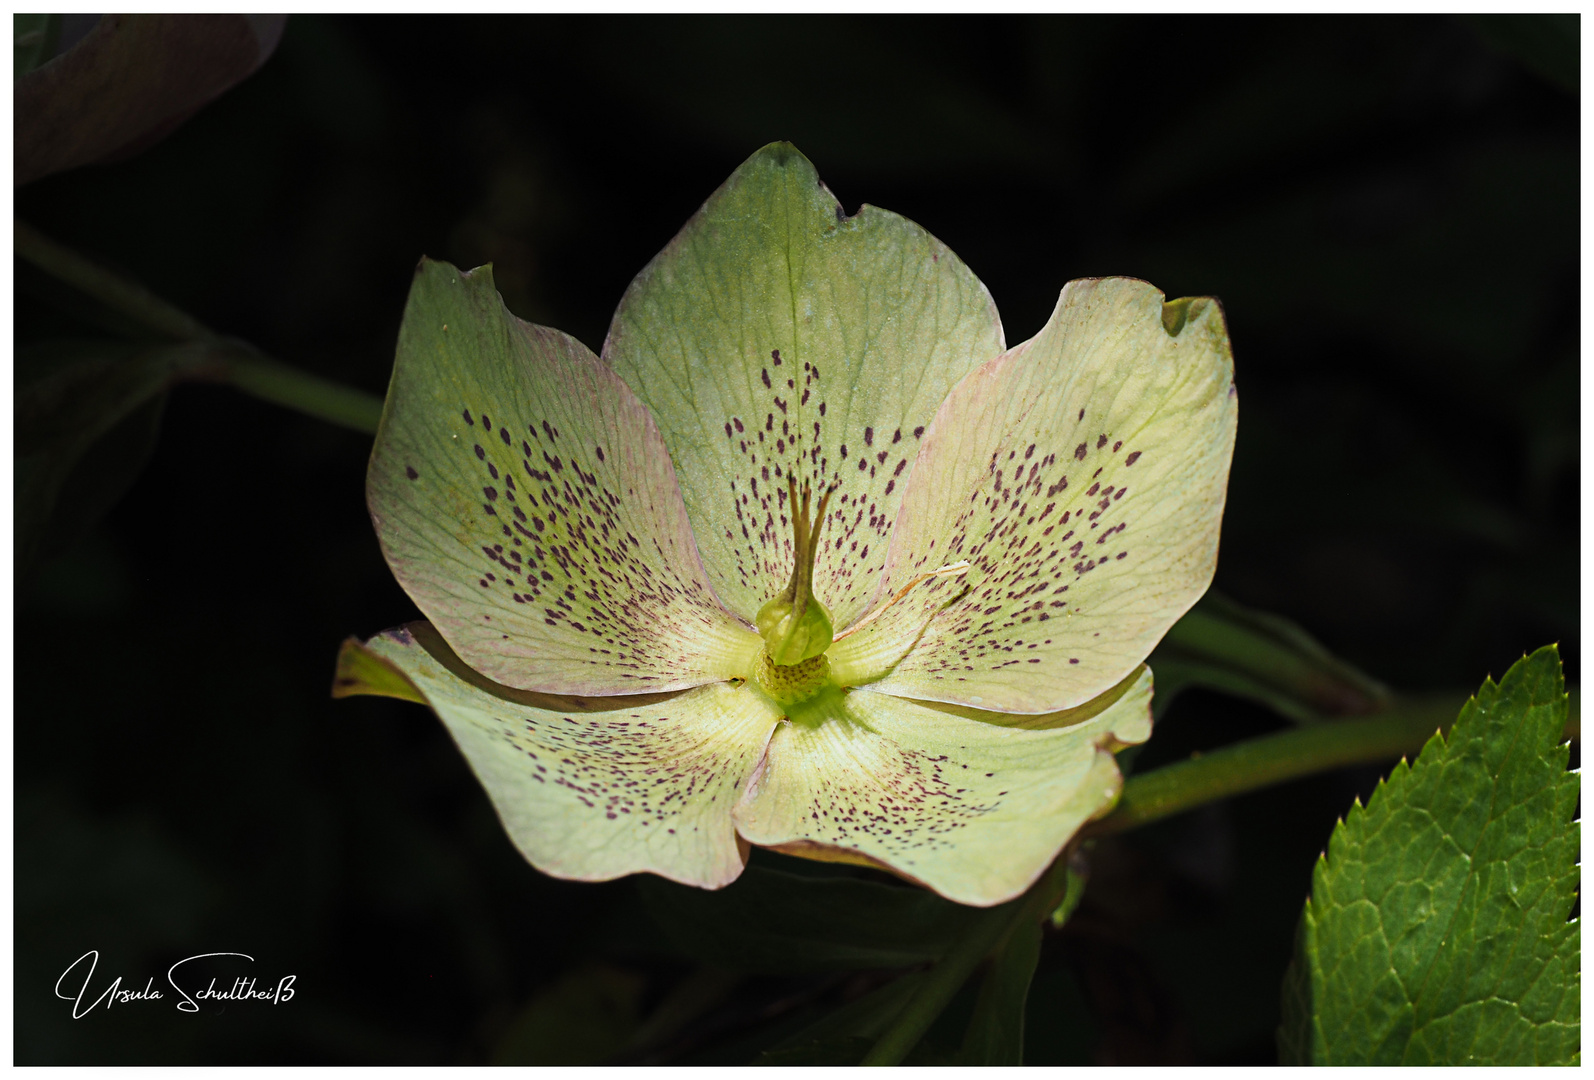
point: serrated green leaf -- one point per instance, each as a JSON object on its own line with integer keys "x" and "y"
{"x": 773, "y": 922}
{"x": 1437, "y": 931}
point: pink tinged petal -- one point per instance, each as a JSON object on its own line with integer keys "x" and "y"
{"x": 589, "y": 789}
{"x": 525, "y": 501}
{"x": 1082, "y": 475}
{"x": 973, "y": 809}
{"x": 776, "y": 337}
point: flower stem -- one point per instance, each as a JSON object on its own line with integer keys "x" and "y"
{"x": 232, "y": 362}
{"x": 1272, "y": 759}
{"x": 244, "y": 368}
{"x": 115, "y": 292}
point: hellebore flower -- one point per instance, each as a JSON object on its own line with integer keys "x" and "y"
{"x": 809, "y": 559}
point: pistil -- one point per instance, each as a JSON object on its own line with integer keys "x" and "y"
{"x": 795, "y": 626}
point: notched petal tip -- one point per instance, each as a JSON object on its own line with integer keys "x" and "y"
{"x": 1176, "y": 312}
{"x": 430, "y": 272}
{"x": 1083, "y": 474}
{"x": 781, "y": 152}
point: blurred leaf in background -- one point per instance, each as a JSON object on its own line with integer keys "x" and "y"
{"x": 126, "y": 83}
{"x": 1225, "y": 646}
{"x": 1546, "y": 43}
{"x": 769, "y": 921}
{"x": 87, "y": 416}
{"x": 580, "y": 1020}
{"x": 34, "y": 40}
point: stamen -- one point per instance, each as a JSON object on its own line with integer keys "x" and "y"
{"x": 949, "y": 570}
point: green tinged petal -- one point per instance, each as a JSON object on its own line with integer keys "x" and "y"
{"x": 595, "y": 789}
{"x": 1082, "y": 476}
{"x": 525, "y": 501}
{"x": 776, "y": 336}
{"x": 972, "y": 809}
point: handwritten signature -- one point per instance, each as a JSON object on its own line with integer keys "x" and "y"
{"x": 243, "y": 988}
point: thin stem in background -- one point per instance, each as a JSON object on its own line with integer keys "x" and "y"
{"x": 229, "y": 361}
{"x": 245, "y": 368}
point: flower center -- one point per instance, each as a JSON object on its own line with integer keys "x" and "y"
{"x": 795, "y": 626}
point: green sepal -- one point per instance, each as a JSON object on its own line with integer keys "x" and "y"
{"x": 588, "y": 788}
{"x": 524, "y": 498}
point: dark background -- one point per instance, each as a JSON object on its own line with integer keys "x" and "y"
{"x": 1387, "y": 208}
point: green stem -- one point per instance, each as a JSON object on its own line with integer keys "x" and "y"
{"x": 1272, "y": 759}
{"x": 942, "y": 982}
{"x": 115, "y": 292}
{"x": 234, "y": 363}
{"x": 243, "y": 368}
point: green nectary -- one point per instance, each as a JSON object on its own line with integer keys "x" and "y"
{"x": 791, "y": 684}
